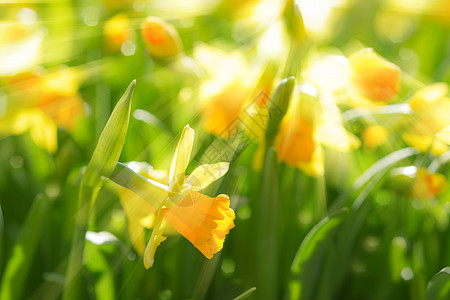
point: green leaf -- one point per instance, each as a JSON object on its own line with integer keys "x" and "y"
{"x": 100, "y": 268}
{"x": 245, "y": 294}
{"x": 439, "y": 286}
{"x": 22, "y": 256}
{"x": 267, "y": 229}
{"x": 308, "y": 260}
{"x": 110, "y": 144}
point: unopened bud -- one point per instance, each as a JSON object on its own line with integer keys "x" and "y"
{"x": 161, "y": 39}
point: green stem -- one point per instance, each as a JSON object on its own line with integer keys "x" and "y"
{"x": 74, "y": 278}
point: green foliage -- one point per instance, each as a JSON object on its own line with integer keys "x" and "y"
{"x": 358, "y": 208}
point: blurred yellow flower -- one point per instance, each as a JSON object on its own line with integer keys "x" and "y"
{"x": 224, "y": 93}
{"x": 42, "y": 130}
{"x": 427, "y": 185}
{"x": 439, "y": 11}
{"x": 374, "y": 77}
{"x": 203, "y": 220}
{"x": 431, "y": 108}
{"x": 417, "y": 182}
{"x": 20, "y": 47}
{"x": 117, "y": 30}
{"x": 41, "y": 103}
{"x": 306, "y": 127}
{"x": 374, "y": 136}
{"x": 160, "y": 38}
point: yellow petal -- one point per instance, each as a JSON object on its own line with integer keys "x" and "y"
{"x": 223, "y": 107}
{"x": 315, "y": 167}
{"x": 20, "y": 47}
{"x": 444, "y": 135}
{"x": 149, "y": 254}
{"x": 136, "y": 210}
{"x": 206, "y": 174}
{"x": 42, "y": 129}
{"x": 425, "y": 143}
{"x": 63, "y": 81}
{"x": 181, "y": 159}
{"x": 337, "y": 138}
{"x": 44, "y": 133}
{"x": 295, "y": 142}
{"x": 430, "y": 93}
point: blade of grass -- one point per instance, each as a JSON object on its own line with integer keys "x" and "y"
{"x": 245, "y": 294}
{"x": 380, "y": 166}
{"x": 308, "y": 260}
{"x": 22, "y": 256}
{"x": 439, "y": 286}
{"x": 104, "y": 287}
{"x": 267, "y": 231}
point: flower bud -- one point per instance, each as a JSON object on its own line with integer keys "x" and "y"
{"x": 161, "y": 39}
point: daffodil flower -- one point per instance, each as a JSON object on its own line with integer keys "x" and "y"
{"x": 418, "y": 183}
{"x": 39, "y": 104}
{"x": 224, "y": 93}
{"x": 117, "y": 31}
{"x": 374, "y": 77}
{"x": 431, "y": 106}
{"x": 374, "y": 136}
{"x": 306, "y": 127}
{"x": 177, "y": 202}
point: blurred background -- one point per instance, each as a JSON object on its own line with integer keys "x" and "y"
{"x": 353, "y": 205}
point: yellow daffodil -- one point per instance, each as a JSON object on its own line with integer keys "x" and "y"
{"x": 431, "y": 107}
{"x": 224, "y": 93}
{"x": 230, "y": 87}
{"x": 20, "y": 47}
{"x": 203, "y": 220}
{"x": 308, "y": 125}
{"x": 439, "y": 11}
{"x": 374, "y": 77}
{"x": 40, "y": 104}
{"x": 417, "y": 182}
{"x": 161, "y": 38}
{"x": 427, "y": 185}
{"x": 374, "y": 136}
{"x": 117, "y": 31}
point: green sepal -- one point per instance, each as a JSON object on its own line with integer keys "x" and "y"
{"x": 151, "y": 191}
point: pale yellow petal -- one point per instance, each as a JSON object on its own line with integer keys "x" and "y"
{"x": 137, "y": 212}
{"x": 444, "y": 135}
{"x": 316, "y": 167}
{"x": 337, "y": 138}
{"x": 42, "y": 129}
{"x": 181, "y": 159}
{"x": 425, "y": 143}
{"x": 149, "y": 253}
{"x": 206, "y": 174}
